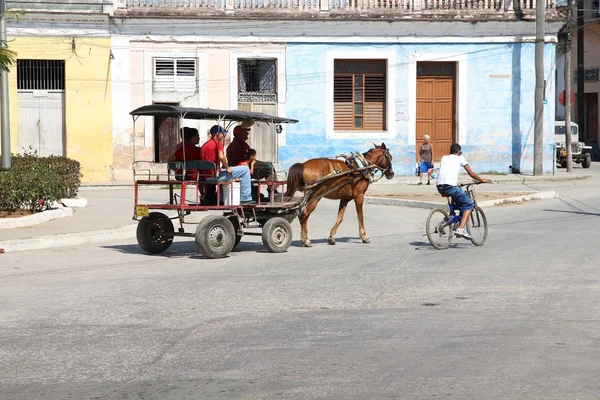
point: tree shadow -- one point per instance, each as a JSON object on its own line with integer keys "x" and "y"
{"x": 574, "y": 212}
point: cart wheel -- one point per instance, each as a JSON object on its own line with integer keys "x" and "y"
{"x": 215, "y": 236}
{"x": 150, "y": 232}
{"x": 236, "y": 228}
{"x": 277, "y": 235}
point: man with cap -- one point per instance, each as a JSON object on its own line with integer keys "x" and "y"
{"x": 237, "y": 149}
{"x": 239, "y": 145}
{"x": 213, "y": 151}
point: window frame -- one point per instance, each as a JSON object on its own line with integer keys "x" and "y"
{"x": 181, "y": 82}
{"x": 249, "y": 94}
{"x": 391, "y": 77}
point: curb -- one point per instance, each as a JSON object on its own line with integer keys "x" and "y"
{"x": 68, "y": 239}
{"x": 34, "y": 219}
{"x": 430, "y": 205}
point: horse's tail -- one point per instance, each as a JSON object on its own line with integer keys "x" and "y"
{"x": 294, "y": 179}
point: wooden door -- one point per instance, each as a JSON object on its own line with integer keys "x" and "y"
{"x": 436, "y": 106}
{"x": 166, "y": 137}
{"x": 262, "y": 137}
{"x": 41, "y": 122}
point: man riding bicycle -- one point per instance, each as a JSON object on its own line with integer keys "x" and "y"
{"x": 447, "y": 184}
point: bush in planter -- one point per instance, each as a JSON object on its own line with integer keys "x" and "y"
{"x": 33, "y": 183}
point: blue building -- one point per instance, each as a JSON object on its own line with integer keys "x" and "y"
{"x": 354, "y": 72}
{"x": 478, "y": 92}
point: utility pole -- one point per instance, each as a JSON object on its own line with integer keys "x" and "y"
{"x": 580, "y": 75}
{"x": 538, "y": 136}
{"x": 568, "y": 77}
{"x": 4, "y": 110}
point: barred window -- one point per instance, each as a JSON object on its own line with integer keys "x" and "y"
{"x": 257, "y": 80}
{"x": 359, "y": 95}
{"x": 41, "y": 74}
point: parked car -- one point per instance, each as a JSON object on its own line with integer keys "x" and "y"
{"x": 581, "y": 153}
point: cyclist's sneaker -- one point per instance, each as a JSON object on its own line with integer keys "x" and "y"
{"x": 463, "y": 233}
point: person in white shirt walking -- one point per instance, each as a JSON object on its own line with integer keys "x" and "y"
{"x": 448, "y": 184}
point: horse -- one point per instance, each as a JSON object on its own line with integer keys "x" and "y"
{"x": 337, "y": 180}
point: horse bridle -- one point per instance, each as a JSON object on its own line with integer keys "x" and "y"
{"x": 385, "y": 153}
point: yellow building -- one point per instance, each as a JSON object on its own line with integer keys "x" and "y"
{"x": 61, "y": 100}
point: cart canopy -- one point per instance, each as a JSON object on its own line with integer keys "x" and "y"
{"x": 165, "y": 110}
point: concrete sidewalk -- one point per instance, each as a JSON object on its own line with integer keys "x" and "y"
{"x": 109, "y": 211}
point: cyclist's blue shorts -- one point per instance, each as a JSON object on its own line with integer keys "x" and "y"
{"x": 461, "y": 200}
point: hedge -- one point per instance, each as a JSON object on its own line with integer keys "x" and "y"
{"x": 33, "y": 183}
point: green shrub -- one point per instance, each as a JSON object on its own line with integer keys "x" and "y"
{"x": 33, "y": 183}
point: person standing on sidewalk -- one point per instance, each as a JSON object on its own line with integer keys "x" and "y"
{"x": 425, "y": 159}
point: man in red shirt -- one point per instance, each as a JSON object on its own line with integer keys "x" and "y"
{"x": 213, "y": 151}
{"x": 238, "y": 146}
{"x": 187, "y": 151}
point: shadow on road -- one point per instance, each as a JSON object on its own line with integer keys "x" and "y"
{"x": 574, "y": 212}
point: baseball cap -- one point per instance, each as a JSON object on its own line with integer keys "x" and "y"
{"x": 240, "y": 129}
{"x": 216, "y": 129}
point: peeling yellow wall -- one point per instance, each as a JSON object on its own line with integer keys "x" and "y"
{"x": 88, "y": 97}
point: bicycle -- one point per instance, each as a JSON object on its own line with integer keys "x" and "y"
{"x": 441, "y": 224}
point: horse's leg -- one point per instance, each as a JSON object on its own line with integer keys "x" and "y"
{"x": 340, "y": 217}
{"x": 303, "y": 217}
{"x": 359, "y": 200}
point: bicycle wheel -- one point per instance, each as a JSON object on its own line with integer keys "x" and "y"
{"x": 477, "y": 226}
{"x": 438, "y": 233}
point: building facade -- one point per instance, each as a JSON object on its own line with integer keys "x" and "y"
{"x": 590, "y": 127}
{"x": 354, "y": 72}
{"x": 61, "y": 86}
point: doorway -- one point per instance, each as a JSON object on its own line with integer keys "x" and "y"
{"x": 436, "y": 106}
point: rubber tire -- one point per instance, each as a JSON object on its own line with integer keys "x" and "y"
{"x": 277, "y": 235}
{"x": 236, "y": 225}
{"x": 587, "y": 161}
{"x": 482, "y": 219}
{"x": 149, "y": 231}
{"x": 223, "y": 233}
{"x": 430, "y": 231}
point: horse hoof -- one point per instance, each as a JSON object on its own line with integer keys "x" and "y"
{"x": 331, "y": 241}
{"x": 307, "y": 243}
{"x": 366, "y": 240}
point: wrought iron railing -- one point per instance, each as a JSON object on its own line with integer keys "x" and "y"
{"x": 406, "y": 6}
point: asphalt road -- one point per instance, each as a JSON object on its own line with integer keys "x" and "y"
{"x": 394, "y": 319}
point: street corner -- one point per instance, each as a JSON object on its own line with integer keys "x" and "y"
{"x": 23, "y": 221}
{"x": 68, "y": 239}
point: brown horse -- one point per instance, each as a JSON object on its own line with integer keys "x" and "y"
{"x": 335, "y": 179}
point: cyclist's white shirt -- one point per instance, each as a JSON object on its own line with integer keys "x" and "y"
{"x": 449, "y": 169}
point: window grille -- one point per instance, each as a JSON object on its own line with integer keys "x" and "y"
{"x": 40, "y": 74}
{"x": 257, "y": 80}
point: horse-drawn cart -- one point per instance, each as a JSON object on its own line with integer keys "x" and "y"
{"x": 217, "y": 233}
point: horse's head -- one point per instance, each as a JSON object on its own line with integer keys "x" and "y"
{"x": 381, "y": 157}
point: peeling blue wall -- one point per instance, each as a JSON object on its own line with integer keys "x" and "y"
{"x": 499, "y": 110}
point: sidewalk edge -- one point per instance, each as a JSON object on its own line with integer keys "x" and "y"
{"x": 69, "y": 239}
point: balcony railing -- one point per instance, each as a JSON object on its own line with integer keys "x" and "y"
{"x": 397, "y": 6}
